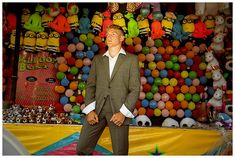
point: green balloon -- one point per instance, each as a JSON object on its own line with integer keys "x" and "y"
{"x": 76, "y": 109}
{"x": 149, "y": 95}
{"x": 188, "y": 96}
{"x": 88, "y": 42}
{"x": 154, "y": 89}
{"x": 145, "y": 50}
{"x": 82, "y": 86}
{"x": 169, "y": 64}
{"x": 158, "y": 81}
{"x": 196, "y": 98}
{"x": 176, "y": 67}
{"x": 60, "y": 75}
{"x": 74, "y": 70}
{"x": 158, "y": 43}
{"x": 174, "y": 58}
{"x": 192, "y": 74}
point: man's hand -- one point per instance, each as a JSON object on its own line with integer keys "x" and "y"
{"x": 92, "y": 118}
{"x": 118, "y": 118}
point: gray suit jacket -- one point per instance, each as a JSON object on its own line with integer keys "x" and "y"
{"x": 122, "y": 88}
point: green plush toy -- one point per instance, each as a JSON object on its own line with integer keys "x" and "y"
{"x": 133, "y": 29}
{"x": 35, "y": 20}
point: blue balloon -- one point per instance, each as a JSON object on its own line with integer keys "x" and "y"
{"x": 188, "y": 81}
{"x": 85, "y": 77}
{"x": 75, "y": 40}
{"x": 150, "y": 79}
{"x": 188, "y": 113}
{"x": 147, "y": 72}
{"x": 163, "y": 73}
{"x": 79, "y": 54}
{"x": 64, "y": 82}
{"x": 189, "y": 62}
{"x": 64, "y": 100}
{"x": 145, "y": 103}
{"x": 75, "y": 116}
{"x": 90, "y": 54}
{"x": 86, "y": 69}
{"x": 157, "y": 57}
{"x": 203, "y": 80}
{"x": 153, "y": 104}
{"x": 94, "y": 48}
{"x": 69, "y": 35}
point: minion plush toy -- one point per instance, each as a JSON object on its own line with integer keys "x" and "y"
{"x": 210, "y": 22}
{"x": 25, "y": 16}
{"x": 72, "y": 19}
{"x": 143, "y": 25}
{"x": 168, "y": 23}
{"x": 96, "y": 22}
{"x": 46, "y": 18}
{"x": 188, "y": 23}
{"x": 35, "y": 20}
{"x": 41, "y": 42}
{"x": 119, "y": 20}
{"x": 53, "y": 43}
{"x": 29, "y": 41}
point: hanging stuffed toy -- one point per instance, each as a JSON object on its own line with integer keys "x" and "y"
{"x": 156, "y": 28}
{"x": 168, "y": 23}
{"x": 29, "y": 41}
{"x": 106, "y": 22}
{"x": 133, "y": 30}
{"x": 53, "y": 42}
{"x": 25, "y": 16}
{"x": 210, "y": 22}
{"x": 156, "y": 10}
{"x": 188, "y": 24}
{"x": 41, "y": 42}
{"x": 114, "y": 7}
{"x": 212, "y": 62}
{"x": 84, "y": 23}
{"x": 218, "y": 80}
{"x": 60, "y": 23}
{"x": 72, "y": 19}
{"x": 178, "y": 32}
{"x": 119, "y": 20}
{"x": 216, "y": 100}
{"x": 96, "y": 22}
{"x": 218, "y": 43}
{"x": 132, "y": 7}
{"x": 220, "y": 26}
{"x": 143, "y": 25}
{"x": 46, "y": 18}
{"x": 201, "y": 31}
{"x": 35, "y": 20}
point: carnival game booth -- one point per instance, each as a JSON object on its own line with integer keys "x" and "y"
{"x": 185, "y": 60}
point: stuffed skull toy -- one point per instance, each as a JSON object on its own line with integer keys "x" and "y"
{"x": 143, "y": 120}
{"x": 169, "y": 122}
{"x": 187, "y": 122}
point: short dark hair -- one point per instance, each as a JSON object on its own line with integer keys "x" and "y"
{"x": 116, "y": 27}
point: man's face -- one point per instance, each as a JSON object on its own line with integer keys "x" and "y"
{"x": 114, "y": 37}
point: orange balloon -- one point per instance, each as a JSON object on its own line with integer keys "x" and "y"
{"x": 73, "y": 85}
{"x": 169, "y": 105}
{"x": 78, "y": 63}
{"x": 169, "y": 89}
{"x": 184, "y": 104}
{"x": 63, "y": 67}
{"x": 97, "y": 39}
{"x": 190, "y": 54}
{"x": 141, "y": 57}
{"x": 161, "y": 50}
{"x": 189, "y": 45}
{"x": 160, "y": 65}
{"x": 192, "y": 89}
{"x": 169, "y": 49}
{"x": 184, "y": 89}
{"x": 176, "y": 43}
{"x": 172, "y": 112}
{"x": 136, "y": 40}
{"x": 67, "y": 55}
{"x": 141, "y": 111}
{"x": 155, "y": 73}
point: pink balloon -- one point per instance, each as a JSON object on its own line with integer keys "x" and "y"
{"x": 86, "y": 61}
{"x": 180, "y": 113}
{"x": 182, "y": 58}
{"x": 165, "y": 97}
{"x": 67, "y": 107}
{"x": 71, "y": 47}
{"x": 153, "y": 50}
{"x": 80, "y": 46}
{"x": 150, "y": 57}
{"x": 149, "y": 43}
{"x": 165, "y": 113}
{"x": 196, "y": 82}
{"x": 142, "y": 95}
{"x": 161, "y": 104}
{"x": 69, "y": 92}
{"x": 143, "y": 80}
{"x": 157, "y": 96}
{"x": 138, "y": 48}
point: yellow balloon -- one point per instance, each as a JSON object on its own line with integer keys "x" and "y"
{"x": 72, "y": 98}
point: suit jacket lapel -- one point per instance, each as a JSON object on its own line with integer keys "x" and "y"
{"x": 119, "y": 62}
{"x": 106, "y": 67}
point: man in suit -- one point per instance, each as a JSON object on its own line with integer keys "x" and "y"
{"x": 112, "y": 89}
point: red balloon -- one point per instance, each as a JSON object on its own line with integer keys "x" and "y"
{"x": 79, "y": 99}
{"x": 177, "y": 52}
{"x": 141, "y": 72}
{"x": 149, "y": 112}
{"x": 176, "y": 105}
{"x": 200, "y": 73}
{"x": 177, "y": 89}
{"x": 161, "y": 89}
{"x": 183, "y": 50}
{"x": 181, "y": 82}
{"x": 200, "y": 88}
{"x": 194, "y": 67}
{"x": 166, "y": 43}
{"x": 177, "y": 74}
{"x": 138, "y": 104}
{"x": 147, "y": 87}
{"x": 197, "y": 60}
{"x": 172, "y": 96}
{"x": 183, "y": 67}
{"x": 170, "y": 73}
{"x": 166, "y": 57}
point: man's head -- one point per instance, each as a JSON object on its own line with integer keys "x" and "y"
{"x": 114, "y": 35}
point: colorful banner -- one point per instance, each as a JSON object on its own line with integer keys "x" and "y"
{"x": 36, "y": 79}
{"x": 61, "y": 140}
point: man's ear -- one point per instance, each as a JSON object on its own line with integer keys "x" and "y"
{"x": 122, "y": 38}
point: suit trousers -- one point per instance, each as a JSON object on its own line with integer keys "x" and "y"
{"x": 90, "y": 134}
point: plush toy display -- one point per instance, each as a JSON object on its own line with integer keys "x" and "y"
{"x": 133, "y": 29}
{"x": 218, "y": 80}
{"x": 29, "y": 41}
{"x": 84, "y": 23}
{"x": 218, "y": 43}
{"x": 201, "y": 31}
{"x": 97, "y": 22}
{"x": 212, "y": 62}
{"x": 178, "y": 32}
{"x": 167, "y": 23}
{"x": 72, "y": 18}
{"x": 210, "y": 22}
{"x": 35, "y": 20}
{"x": 188, "y": 23}
{"x": 119, "y": 20}
{"x": 41, "y": 42}
{"x": 60, "y": 23}
{"x": 156, "y": 28}
{"x": 53, "y": 42}
{"x": 220, "y": 26}
{"x": 216, "y": 100}
{"x": 143, "y": 25}
{"x": 106, "y": 22}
